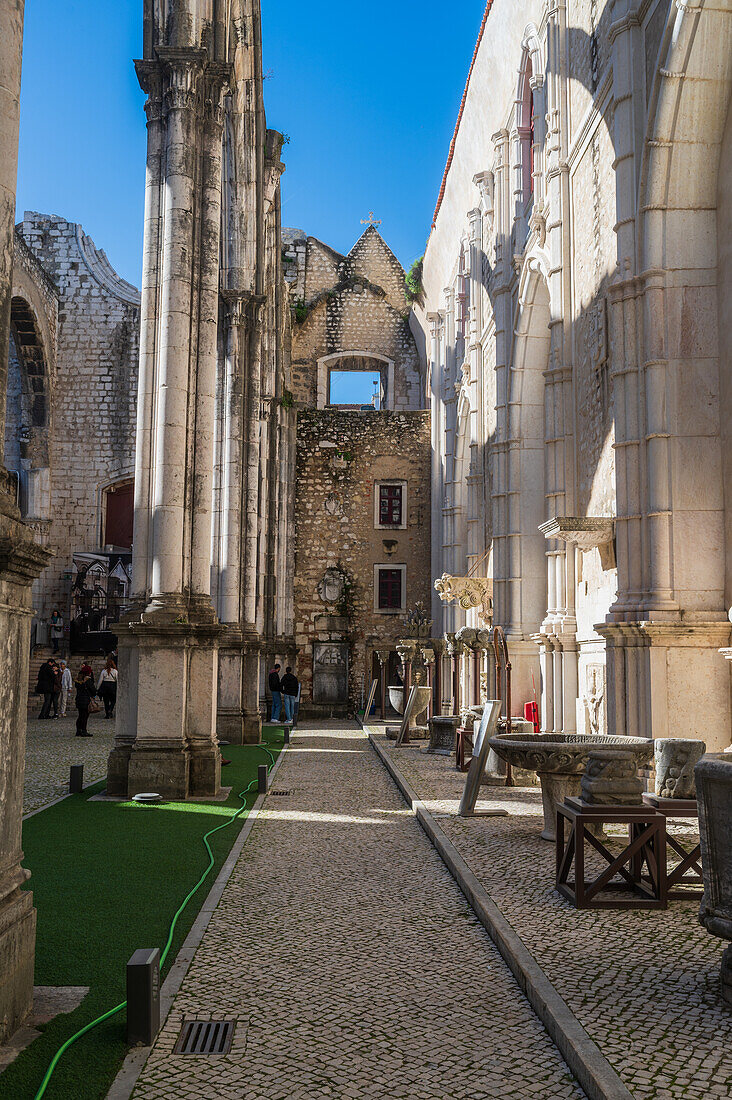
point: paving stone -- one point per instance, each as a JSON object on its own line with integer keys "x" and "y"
{"x": 350, "y": 961}
{"x": 52, "y": 747}
{"x": 643, "y": 984}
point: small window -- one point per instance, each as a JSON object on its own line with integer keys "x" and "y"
{"x": 390, "y": 505}
{"x": 390, "y": 589}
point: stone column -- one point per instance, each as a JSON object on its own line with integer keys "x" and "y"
{"x": 166, "y": 739}
{"x": 428, "y": 656}
{"x": 383, "y": 658}
{"x": 453, "y": 650}
{"x": 438, "y": 648}
{"x": 21, "y": 561}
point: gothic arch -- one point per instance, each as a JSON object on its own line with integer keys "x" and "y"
{"x": 26, "y": 444}
{"x": 678, "y": 265}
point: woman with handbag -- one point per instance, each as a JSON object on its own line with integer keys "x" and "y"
{"x": 107, "y": 687}
{"x": 85, "y": 700}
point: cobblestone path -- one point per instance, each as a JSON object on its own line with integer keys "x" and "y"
{"x": 52, "y": 746}
{"x": 351, "y": 963}
{"x": 643, "y": 984}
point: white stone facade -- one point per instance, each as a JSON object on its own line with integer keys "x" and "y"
{"x": 577, "y": 288}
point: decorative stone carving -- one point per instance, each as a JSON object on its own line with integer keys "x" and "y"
{"x": 467, "y": 636}
{"x": 443, "y": 729}
{"x": 675, "y": 763}
{"x": 585, "y": 532}
{"x": 610, "y": 779}
{"x": 594, "y": 698}
{"x": 559, "y": 760}
{"x": 330, "y": 588}
{"x": 469, "y": 592}
{"x": 333, "y": 505}
{"x": 713, "y": 777}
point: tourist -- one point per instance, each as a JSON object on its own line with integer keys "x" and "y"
{"x": 107, "y": 687}
{"x": 85, "y": 694}
{"x": 57, "y": 629}
{"x": 56, "y": 688}
{"x": 45, "y": 685}
{"x": 290, "y": 689}
{"x": 66, "y": 683}
{"x": 275, "y": 686}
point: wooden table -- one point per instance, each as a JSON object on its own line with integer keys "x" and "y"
{"x": 641, "y": 864}
{"x": 685, "y": 880}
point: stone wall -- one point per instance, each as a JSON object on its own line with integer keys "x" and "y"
{"x": 93, "y": 390}
{"x": 340, "y": 456}
{"x": 353, "y": 303}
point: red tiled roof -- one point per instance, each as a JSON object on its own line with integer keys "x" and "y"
{"x": 451, "y": 152}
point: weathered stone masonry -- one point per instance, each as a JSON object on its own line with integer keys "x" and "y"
{"x": 340, "y": 456}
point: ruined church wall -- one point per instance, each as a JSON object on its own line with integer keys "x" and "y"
{"x": 340, "y": 456}
{"x": 93, "y": 391}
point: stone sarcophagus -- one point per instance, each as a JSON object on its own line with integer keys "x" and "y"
{"x": 714, "y": 793}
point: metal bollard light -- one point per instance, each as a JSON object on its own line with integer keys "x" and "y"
{"x": 287, "y": 735}
{"x": 262, "y": 779}
{"x": 76, "y": 779}
{"x": 143, "y": 997}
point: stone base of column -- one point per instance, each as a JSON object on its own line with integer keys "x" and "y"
{"x": 166, "y": 715}
{"x": 667, "y": 680}
{"x": 17, "y": 957}
{"x": 238, "y": 720}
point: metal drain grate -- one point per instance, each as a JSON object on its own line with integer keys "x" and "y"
{"x": 281, "y": 794}
{"x": 205, "y": 1037}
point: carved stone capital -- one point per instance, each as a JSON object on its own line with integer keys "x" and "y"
{"x": 243, "y": 308}
{"x": 469, "y": 592}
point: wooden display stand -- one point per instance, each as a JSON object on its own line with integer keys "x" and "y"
{"x": 463, "y": 748}
{"x": 641, "y": 864}
{"x": 685, "y": 880}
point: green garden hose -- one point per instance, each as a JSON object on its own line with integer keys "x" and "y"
{"x": 171, "y": 932}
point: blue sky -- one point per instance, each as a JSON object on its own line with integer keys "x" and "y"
{"x": 368, "y": 95}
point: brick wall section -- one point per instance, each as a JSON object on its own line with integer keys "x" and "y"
{"x": 93, "y": 393}
{"x": 335, "y": 524}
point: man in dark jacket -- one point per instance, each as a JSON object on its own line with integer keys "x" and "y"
{"x": 46, "y": 686}
{"x": 290, "y": 689}
{"x": 275, "y": 686}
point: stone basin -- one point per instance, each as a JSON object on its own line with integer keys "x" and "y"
{"x": 396, "y": 698}
{"x": 559, "y": 760}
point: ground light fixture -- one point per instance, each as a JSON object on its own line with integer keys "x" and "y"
{"x": 147, "y": 797}
{"x": 153, "y": 964}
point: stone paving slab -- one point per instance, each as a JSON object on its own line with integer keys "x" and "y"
{"x": 350, "y": 962}
{"x": 51, "y": 748}
{"x": 644, "y": 984}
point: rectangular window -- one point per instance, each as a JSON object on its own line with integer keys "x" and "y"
{"x": 390, "y": 505}
{"x": 390, "y": 589}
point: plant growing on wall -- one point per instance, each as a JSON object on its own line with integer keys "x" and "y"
{"x": 300, "y": 309}
{"x": 347, "y": 607}
{"x": 413, "y": 289}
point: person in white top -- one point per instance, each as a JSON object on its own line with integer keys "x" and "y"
{"x": 66, "y": 685}
{"x": 107, "y": 687}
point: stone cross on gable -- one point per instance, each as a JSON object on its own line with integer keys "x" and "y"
{"x": 371, "y": 220}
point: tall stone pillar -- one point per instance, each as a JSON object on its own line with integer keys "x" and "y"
{"x": 166, "y": 725}
{"x": 21, "y": 561}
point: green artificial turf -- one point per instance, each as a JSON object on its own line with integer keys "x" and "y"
{"x": 107, "y": 879}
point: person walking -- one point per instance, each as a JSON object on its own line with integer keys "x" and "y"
{"x": 275, "y": 686}
{"x": 45, "y": 685}
{"x": 290, "y": 689}
{"x": 57, "y": 629}
{"x": 107, "y": 687}
{"x": 66, "y": 684}
{"x": 56, "y": 696}
{"x": 84, "y": 694}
